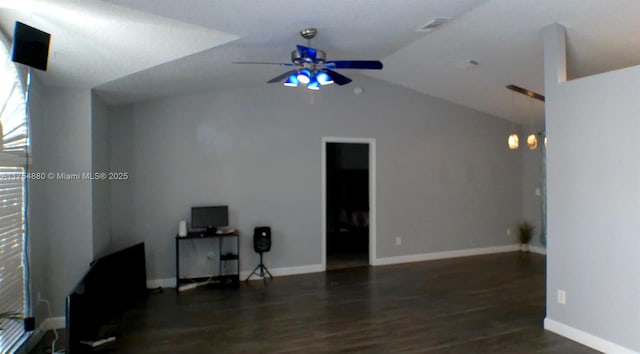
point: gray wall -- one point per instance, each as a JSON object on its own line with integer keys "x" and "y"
{"x": 60, "y": 211}
{"x": 445, "y": 178}
{"x": 594, "y": 203}
{"x": 531, "y": 173}
{"x": 39, "y": 260}
{"x": 122, "y": 150}
{"x": 100, "y": 189}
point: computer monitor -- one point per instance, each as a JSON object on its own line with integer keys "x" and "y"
{"x": 209, "y": 217}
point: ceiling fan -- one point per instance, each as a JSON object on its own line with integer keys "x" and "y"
{"x": 311, "y": 67}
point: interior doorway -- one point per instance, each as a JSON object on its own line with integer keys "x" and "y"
{"x": 347, "y": 203}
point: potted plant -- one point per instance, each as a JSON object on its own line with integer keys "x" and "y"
{"x": 525, "y": 233}
{"x": 9, "y": 316}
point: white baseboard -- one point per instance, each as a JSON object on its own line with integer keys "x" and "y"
{"x": 445, "y": 254}
{"x": 315, "y": 268}
{"x": 276, "y": 272}
{"x": 538, "y": 250}
{"x": 280, "y": 272}
{"x": 48, "y": 324}
{"x": 53, "y": 323}
{"x": 161, "y": 283}
{"x": 585, "y": 338}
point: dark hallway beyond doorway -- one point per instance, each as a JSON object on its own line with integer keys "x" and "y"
{"x": 347, "y": 205}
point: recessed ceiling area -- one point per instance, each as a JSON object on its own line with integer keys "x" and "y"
{"x": 133, "y": 50}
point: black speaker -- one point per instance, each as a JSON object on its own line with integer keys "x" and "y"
{"x": 261, "y": 244}
{"x": 30, "y": 46}
{"x": 262, "y": 239}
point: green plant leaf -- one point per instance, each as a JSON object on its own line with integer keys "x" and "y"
{"x": 525, "y": 232}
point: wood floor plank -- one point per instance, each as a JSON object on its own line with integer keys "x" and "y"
{"x": 485, "y": 304}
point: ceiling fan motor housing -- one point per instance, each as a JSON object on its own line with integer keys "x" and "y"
{"x": 301, "y": 58}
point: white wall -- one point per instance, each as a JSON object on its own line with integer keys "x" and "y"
{"x": 594, "y": 206}
{"x": 60, "y": 211}
{"x": 100, "y": 189}
{"x": 445, "y": 178}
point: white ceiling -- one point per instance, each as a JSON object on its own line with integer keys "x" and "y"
{"x": 134, "y": 50}
{"x": 93, "y": 42}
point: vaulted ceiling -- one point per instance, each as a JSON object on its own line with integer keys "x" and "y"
{"x": 132, "y": 50}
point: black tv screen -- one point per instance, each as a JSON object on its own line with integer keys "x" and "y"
{"x": 209, "y": 217}
{"x": 30, "y": 46}
{"x": 113, "y": 283}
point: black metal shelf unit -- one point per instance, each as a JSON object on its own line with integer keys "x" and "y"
{"x": 228, "y": 279}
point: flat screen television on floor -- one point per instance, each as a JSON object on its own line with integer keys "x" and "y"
{"x": 113, "y": 283}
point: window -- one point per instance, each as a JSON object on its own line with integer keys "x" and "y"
{"x": 13, "y": 164}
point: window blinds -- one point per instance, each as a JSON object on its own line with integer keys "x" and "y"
{"x": 13, "y": 164}
{"x": 11, "y": 252}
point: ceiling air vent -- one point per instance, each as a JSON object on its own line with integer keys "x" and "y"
{"x": 434, "y": 24}
{"x": 467, "y": 64}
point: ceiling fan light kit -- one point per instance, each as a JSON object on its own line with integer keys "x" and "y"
{"x": 313, "y": 68}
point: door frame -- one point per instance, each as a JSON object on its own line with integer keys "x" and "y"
{"x": 371, "y": 142}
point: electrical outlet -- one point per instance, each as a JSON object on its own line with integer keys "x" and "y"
{"x": 398, "y": 241}
{"x": 562, "y": 297}
{"x": 508, "y": 232}
{"x": 210, "y": 256}
{"x": 538, "y": 192}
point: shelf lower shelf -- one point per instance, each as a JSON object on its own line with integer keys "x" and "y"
{"x": 229, "y": 257}
{"x": 227, "y": 280}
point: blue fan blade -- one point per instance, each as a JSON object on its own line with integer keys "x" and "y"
{"x": 338, "y": 79}
{"x": 263, "y": 63}
{"x": 307, "y": 52}
{"x": 354, "y": 64}
{"x": 281, "y": 77}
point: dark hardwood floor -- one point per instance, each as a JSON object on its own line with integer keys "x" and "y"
{"x": 485, "y": 304}
{"x": 337, "y": 261}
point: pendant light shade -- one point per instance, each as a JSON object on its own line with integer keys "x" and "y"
{"x": 323, "y": 78}
{"x": 313, "y": 84}
{"x": 304, "y": 76}
{"x": 513, "y": 141}
{"x": 532, "y": 141}
{"x": 292, "y": 81}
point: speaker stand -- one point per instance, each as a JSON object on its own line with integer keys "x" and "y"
{"x": 263, "y": 270}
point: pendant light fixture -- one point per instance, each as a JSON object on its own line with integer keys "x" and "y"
{"x": 532, "y": 139}
{"x": 532, "y": 142}
{"x": 513, "y": 141}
